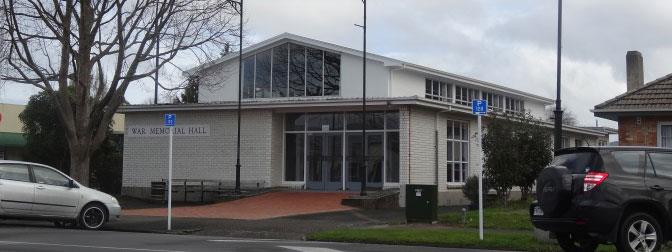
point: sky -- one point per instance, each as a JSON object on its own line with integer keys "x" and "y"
{"x": 511, "y": 43}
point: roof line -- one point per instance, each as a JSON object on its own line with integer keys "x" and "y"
{"x": 656, "y": 81}
{"x": 387, "y": 61}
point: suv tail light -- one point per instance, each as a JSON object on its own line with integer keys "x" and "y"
{"x": 593, "y": 179}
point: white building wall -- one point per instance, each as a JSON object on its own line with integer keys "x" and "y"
{"x": 377, "y": 77}
{"x": 210, "y": 157}
{"x": 219, "y": 83}
{"x": 406, "y": 83}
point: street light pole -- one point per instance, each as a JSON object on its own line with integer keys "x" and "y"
{"x": 240, "y": 93}
{"x": 156, "y": 59}
{"x": 558, "y": 103}
{"x": 364, "y": 169}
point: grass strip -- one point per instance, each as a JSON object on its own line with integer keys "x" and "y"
{"x": 453, "y": 238}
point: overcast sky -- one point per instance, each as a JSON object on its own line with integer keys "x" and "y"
{"x": 512, "y": 43}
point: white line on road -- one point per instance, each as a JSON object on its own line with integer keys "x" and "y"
{"x": 309, "y": 249}
{"x": 83, "y": 246}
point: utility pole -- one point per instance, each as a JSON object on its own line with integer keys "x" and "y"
{"x": 156, "y": 59}
{"x": 363, "y": 170}
{"x": 558, "y": 101}
{"x": 240, "y": 94}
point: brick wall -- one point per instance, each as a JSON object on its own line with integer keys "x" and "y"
{"x": 203, "y": 157}
{"x": 644, "y": 133}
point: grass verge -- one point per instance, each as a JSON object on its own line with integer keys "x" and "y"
{"x": 453, "y": 238}
{"x": 512, "y": 218}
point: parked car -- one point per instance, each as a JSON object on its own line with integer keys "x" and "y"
{"x": 606, "y": 195}
{"x": 35, "y": 191}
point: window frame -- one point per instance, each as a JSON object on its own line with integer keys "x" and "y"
{"x": 659, "y": 133}
{"x": 451, "y": 139}
{"x": 444, "y": 90}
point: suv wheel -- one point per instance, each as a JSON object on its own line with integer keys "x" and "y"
{"x": 93, "y": 217}
{"x": 576, "y": 243}
{"x": 639, "y": 232}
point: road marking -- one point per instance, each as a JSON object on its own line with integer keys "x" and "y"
{"x": 249, "y": 241}
{"x": 84, "y": 246}
{"x": 309, "y": 249}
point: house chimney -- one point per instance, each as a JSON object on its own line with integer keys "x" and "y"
{"x": 635, "y": 69}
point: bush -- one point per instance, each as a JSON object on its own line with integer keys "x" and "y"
{"x": 470, "y": 190}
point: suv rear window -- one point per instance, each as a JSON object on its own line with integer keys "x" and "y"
{"x": 578, "y": 162}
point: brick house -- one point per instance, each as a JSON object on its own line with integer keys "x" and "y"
{"x": 644, "y": 112}
{"x": 301, "y": 125}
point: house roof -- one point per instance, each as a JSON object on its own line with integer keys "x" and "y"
{"x": 389, "y": 62}
{"x": 652, "y": 98}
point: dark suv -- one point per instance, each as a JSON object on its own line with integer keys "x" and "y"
{"x": 598, "y": 195}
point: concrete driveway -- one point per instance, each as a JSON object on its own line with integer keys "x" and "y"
{"x": 265, "y": 206}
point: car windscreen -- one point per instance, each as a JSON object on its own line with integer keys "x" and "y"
{"x": 578, "y": 162}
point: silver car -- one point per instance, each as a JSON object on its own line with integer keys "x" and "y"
{"x": 35, "y": 191}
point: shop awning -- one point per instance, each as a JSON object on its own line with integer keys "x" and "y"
{"x": 8, "y": 139}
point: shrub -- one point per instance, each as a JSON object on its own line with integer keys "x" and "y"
{"x": 470, "y": 190}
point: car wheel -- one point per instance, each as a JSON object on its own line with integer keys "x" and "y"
{"x": 640, "y": 232}
{"x": 92, "y": 217}
{"x": 576, "y": 243}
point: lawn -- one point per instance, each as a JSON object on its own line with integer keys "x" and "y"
{"x": 514, "y": 216}
{"x": 440, "y": 237}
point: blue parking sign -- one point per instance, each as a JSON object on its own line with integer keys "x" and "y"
{"x": 169, "y": 120}
{"x": 479, "y": 107}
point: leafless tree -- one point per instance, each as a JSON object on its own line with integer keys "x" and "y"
{"x": 86, "y": 53}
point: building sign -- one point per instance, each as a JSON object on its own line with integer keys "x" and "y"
{"x": 161, "y": 131}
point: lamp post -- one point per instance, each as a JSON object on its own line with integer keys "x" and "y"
{"x": 240, "y": 93}
{"x": 363, "y": 170}
{"x": 558, "y": 103}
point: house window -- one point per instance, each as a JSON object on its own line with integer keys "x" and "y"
{"x": 465, "y": 95}
{"x": 565, "y": 142}
{"x": 437, "y": 90}
{"x": 457, "y": 151}
{"x": 291, "y": 70}
{"x": 665, "y": 135}
{"x": 495, "y": 102}
{"x": 2, "y": 155}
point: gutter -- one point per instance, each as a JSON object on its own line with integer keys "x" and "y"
{"x": 436, "y": 141}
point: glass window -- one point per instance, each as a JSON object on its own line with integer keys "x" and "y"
{"x": 630, "y": 161}
{"x": 294, "y": 152}
{"x": 295, "y": 122}
{"x": 392, "y": 157}
{"x": 662, "y": 164}
{"x": 392, "y": 119}
{"x": 465, "y": 95}
{"x": 665, "y": 136}
{"x": 314, "y": 73}
{"x": 16, "y": 172}
{"x": 325, "y": 121}
{"x": 262, "y": 83}
{"x": 457, "y": 150}
{"x": 297, "y": 70}
{"x": 248, "y": 77}
{"x": 49, "y": 177}
{"x": 280, "y": 68}
{"x": 436, "y": 90}
{"x": 332, "y": 73}
{"x": 374, "y": 121}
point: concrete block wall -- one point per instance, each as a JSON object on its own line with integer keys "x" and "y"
{"x": 199, "y": 157}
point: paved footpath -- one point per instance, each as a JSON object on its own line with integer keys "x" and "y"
{"x": 265, "y": 206}
{"x": 44, "y": 239}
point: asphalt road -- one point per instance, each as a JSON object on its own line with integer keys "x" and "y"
{"x": 44, "y": 239}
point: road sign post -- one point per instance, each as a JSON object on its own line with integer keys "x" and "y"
{"x": 480, "y": 108}
{"x": 169, "y": 121}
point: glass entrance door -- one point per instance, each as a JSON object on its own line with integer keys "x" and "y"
{"x": 375, "y": 153}
{"x": 324, "y": 161}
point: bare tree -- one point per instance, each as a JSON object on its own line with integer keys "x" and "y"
{"x": 86, "y": 53}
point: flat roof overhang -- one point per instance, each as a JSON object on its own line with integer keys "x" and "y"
{"x": 324, "y": 104}
{"x": 614, "y": 114}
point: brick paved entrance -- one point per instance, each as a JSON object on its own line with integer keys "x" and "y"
{"x": 265, "y": 206}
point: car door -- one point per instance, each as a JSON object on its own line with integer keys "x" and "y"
{"x": 17, "y": 192}
{"x": 53, "y": 194}
{"x": 659, "y": 178}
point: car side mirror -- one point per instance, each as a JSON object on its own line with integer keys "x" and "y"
{"x": 71, "y": 184}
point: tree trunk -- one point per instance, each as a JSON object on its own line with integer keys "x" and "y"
{"x": 80, "y": 160}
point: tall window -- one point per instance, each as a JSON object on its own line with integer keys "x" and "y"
{"x": 458, "y": 151}
{"x": 665, "y": 135}
{"x": 465, "y": 95}
{"x": 291, "y": 70}
{"x": 437, "y": 90}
